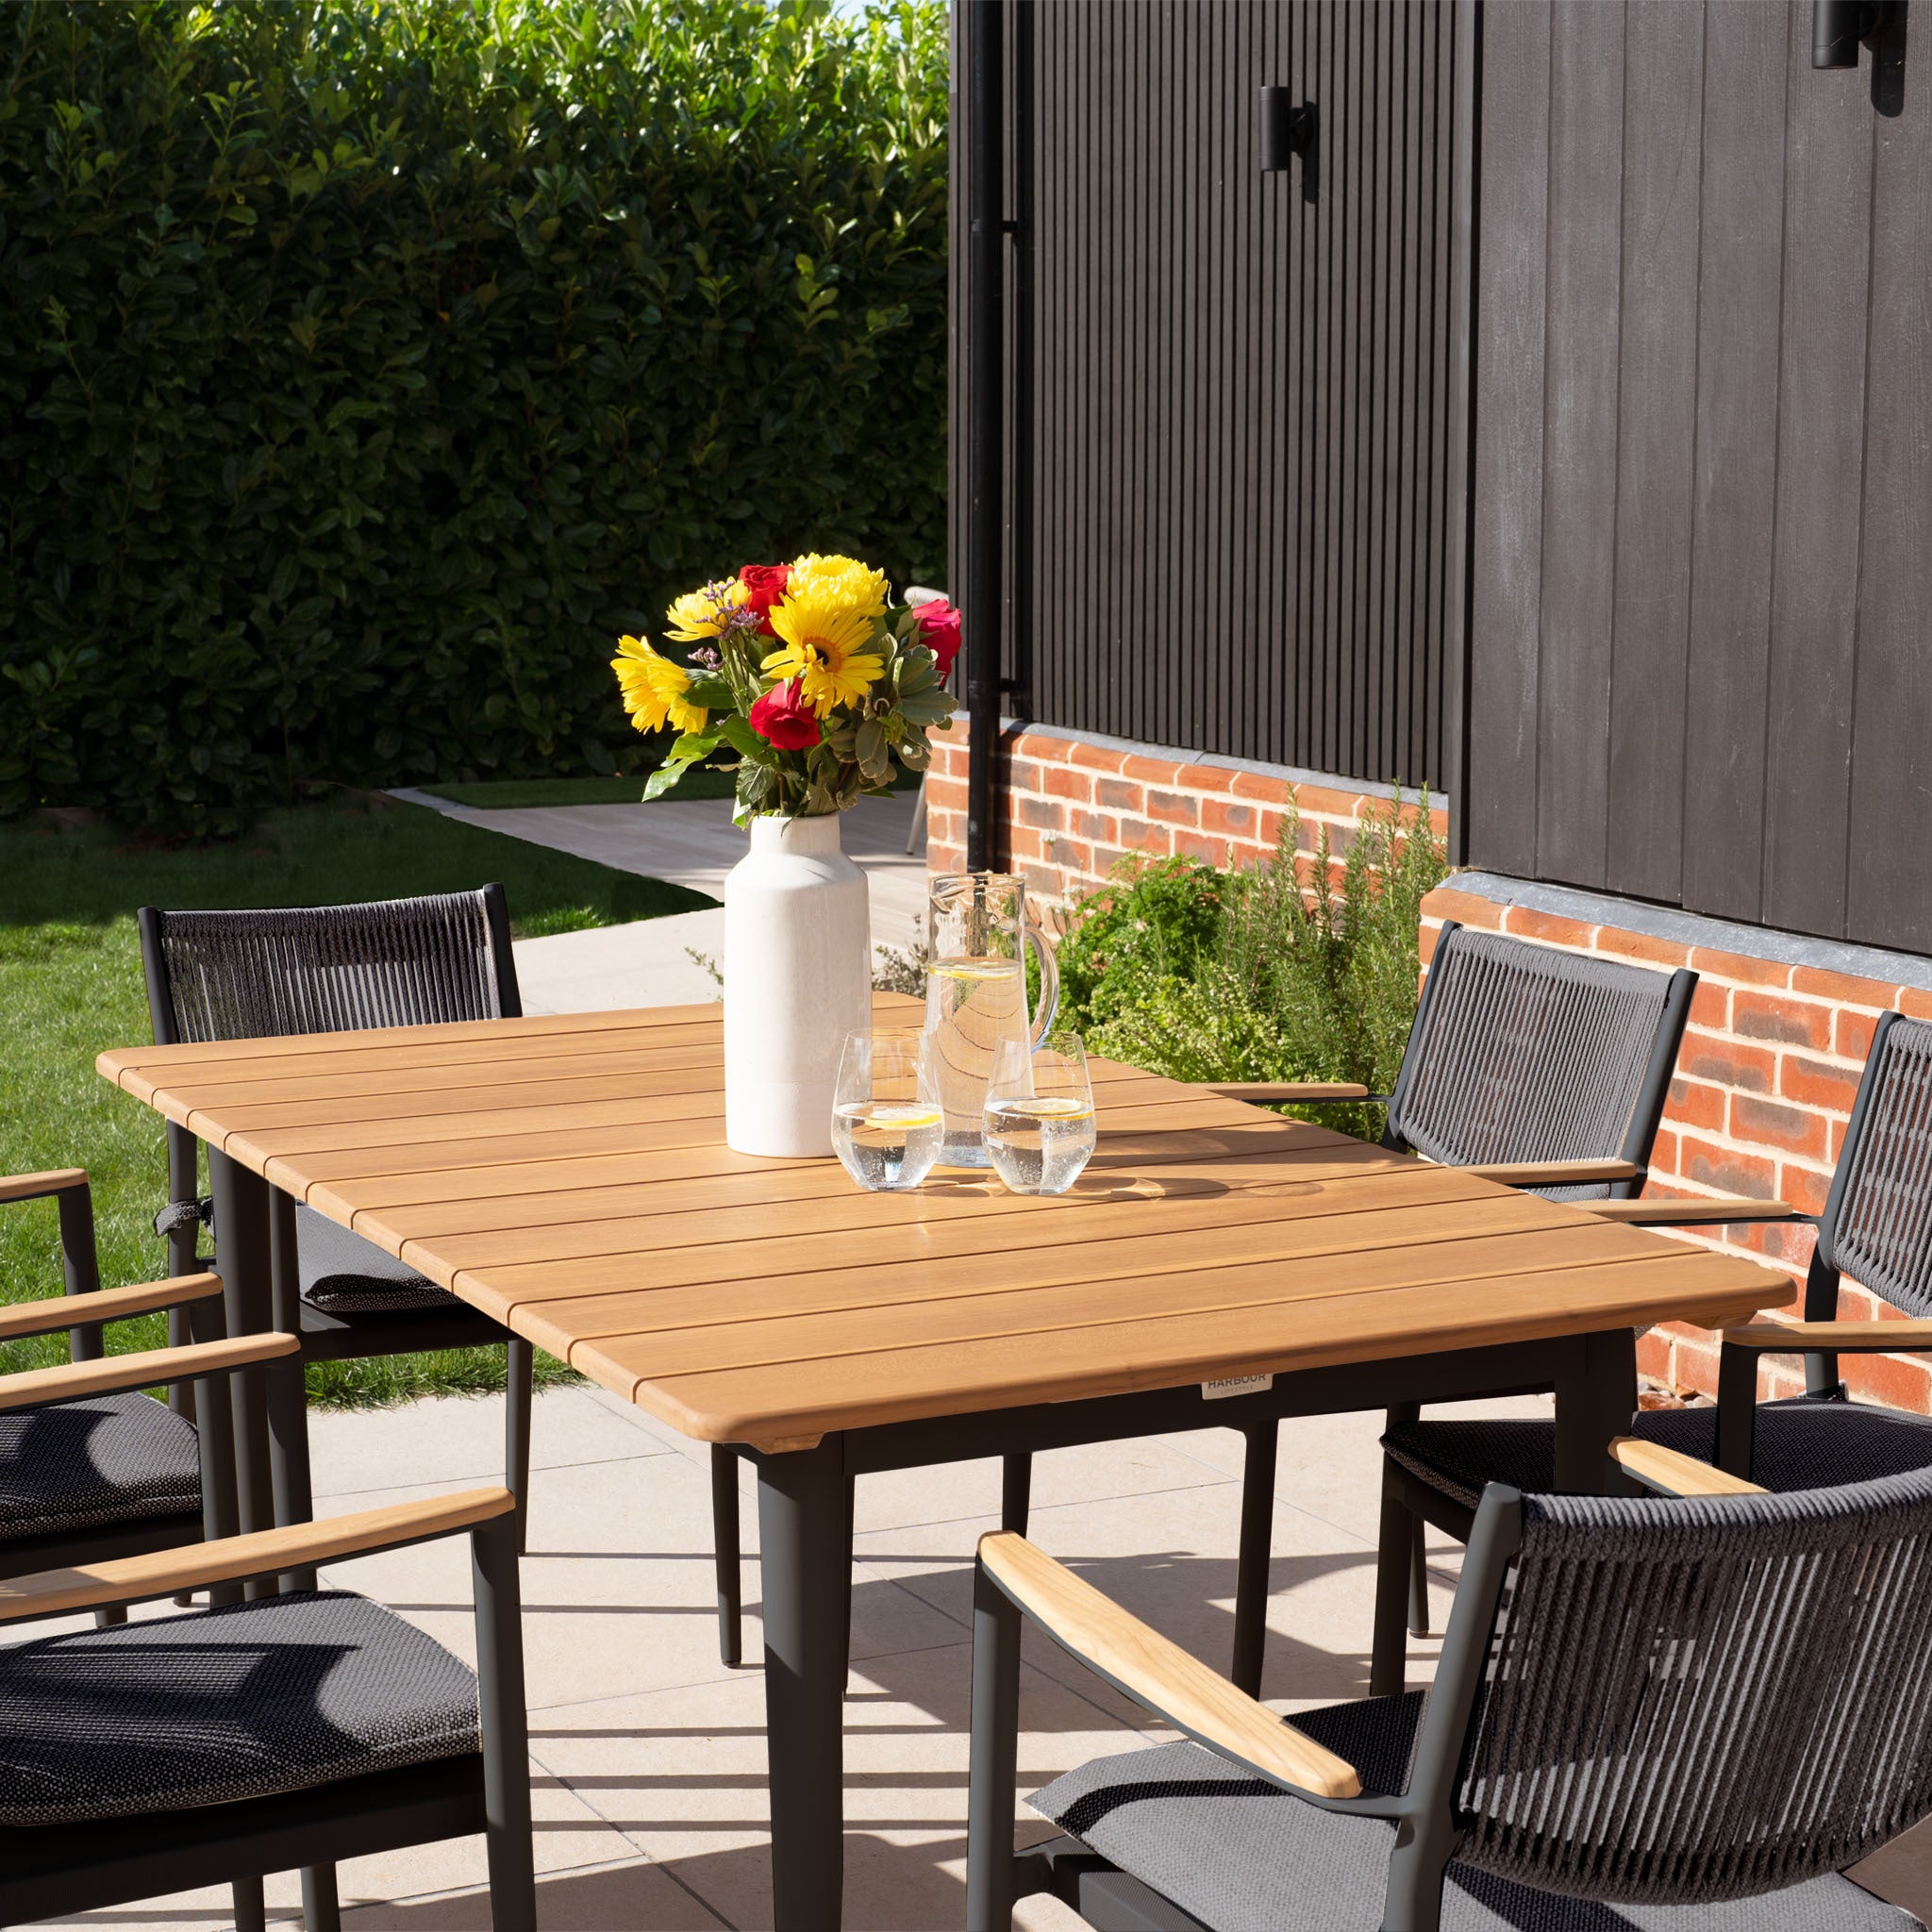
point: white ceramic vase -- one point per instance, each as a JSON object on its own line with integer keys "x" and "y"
{"x": 798, "y": 979}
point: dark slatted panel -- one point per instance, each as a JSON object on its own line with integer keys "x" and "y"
{"x": 1236, "y": 398}
{"x": 1702, "y": 543}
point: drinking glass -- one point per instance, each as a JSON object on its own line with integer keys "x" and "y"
{"x": 887, "y": 1121}
{"x": 1040, "y": 1114}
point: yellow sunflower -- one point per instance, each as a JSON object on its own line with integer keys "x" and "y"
{"x": 822, "y": 636}
{"x": 698, "y": 616}
{"x": 653, "y": 688}
{"x": 842, "y": 581}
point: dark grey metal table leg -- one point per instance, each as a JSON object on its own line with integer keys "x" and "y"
{"x": 241, "y": 1246}
{"x": 725, "y": 1555}
{"x": 1596, "y": 1396}
{"x": 992, "y": 1767}
{"x": 287, "y": 1390}
{"x": 806, "y": 1559}
{"x": 1394, "y": 1560}
{"x": 1016, "y": 1492}
{"x": 1256, "y": 1548}
{"x": 519, "y": 1404}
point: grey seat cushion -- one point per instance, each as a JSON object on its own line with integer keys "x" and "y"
{"x": 217, "y": 1706}
{"x": 85, "y": 1465}
{"x": 1242, "y": 1855}
{"x": 344, "y": 1274}
{"x": 1795, "y": 1446}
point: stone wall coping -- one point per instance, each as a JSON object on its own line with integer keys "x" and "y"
{"x": 1220, "y": 761}
{"x": 1694, "y": 929}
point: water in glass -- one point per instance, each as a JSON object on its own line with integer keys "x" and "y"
{"x": 886, "y": 1115}
{"x": 1039, "y": 1120}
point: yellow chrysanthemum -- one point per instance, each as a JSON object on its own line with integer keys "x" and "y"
{"x": 842, "y": 582}
{"x": 698, "y": 616}
{"x": 822, "y": 636}
{"x": 653, "y": 688}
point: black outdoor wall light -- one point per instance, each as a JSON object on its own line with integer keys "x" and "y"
{"x": 1287, "y": 130}
{"x": 1839, "y": 27}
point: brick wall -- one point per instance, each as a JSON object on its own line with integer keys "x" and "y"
{"x": 1758, "y": 1107}
{"x": 1075, "y": 805}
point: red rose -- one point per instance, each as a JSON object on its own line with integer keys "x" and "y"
{"x": 939, "y": 631}
{"x": 782, "y": 717}
{"x": 766, "y": 584}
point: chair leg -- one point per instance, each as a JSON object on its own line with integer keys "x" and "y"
{"x": 1256, "y": 1547}
{"x": 251, "y": 1911}
{"x": 501, "y": 1706}
{"x": 726, "y": 1556}
{"x": 1394, "y": 1568}
{"x": 322, "y": 1909}
{"x": 107, "y": 1618}
{"x": 1418, "y": 1579}
{"x": 519, "y": 1397}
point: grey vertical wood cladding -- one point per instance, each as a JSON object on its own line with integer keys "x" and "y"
{"x": 1701, "y": 553}
{"x": 1236, "y": 394}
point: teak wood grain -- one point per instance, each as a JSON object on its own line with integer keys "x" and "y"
{"x": 568, "y": 1175}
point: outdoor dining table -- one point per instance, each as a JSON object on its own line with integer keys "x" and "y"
{"x": 568, "y": 1175}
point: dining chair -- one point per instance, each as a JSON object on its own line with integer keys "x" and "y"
{"x": 334, "y": 969}
{"x": 284, "y": 1732}
{"x": 1539, "y": 1068}
{"x": 1690, "y": 1711}
{"x": 1877, "y": 1226}
{"x": 90, "y": 1467}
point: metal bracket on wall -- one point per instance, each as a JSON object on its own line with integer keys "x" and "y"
{"x": 1839, "y": 28}
{"x": 1286, "y": 130}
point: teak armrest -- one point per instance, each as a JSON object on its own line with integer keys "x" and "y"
{"x": 1158, "y": 1673}
{"x": 35, "y": 1187}
{"x": 1674, "y": 1474}
{"x": 1664, "y": 1213}
{"x": 113, "y": 1374}
{"x": 1288, "y": 1090}
{"x": 104, "y": 1304}
{"x": 1845, "y": 1338}
{"x": 1554, "y": 1173}
{"x": 298, "y": 1546}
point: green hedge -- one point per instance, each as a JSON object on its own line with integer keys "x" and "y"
{"x": 364, "y": 369}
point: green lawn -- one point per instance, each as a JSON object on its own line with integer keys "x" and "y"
{"x": 70, "y": 985}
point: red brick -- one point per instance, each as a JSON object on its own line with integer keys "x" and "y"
{"x": 1269, "y": 830}
{"x": 1898, "y": 1381}
{"x": 1639, "y": 945}
{"x": 1255, "y": 785}
{"x": 1781, "y": 1245}
{"x": 1548, "y": 925}
{"x": 1107, "y": 858}
{"x": 1769, "y": 1124}
{"x": 1654, "y": 1355}
{"x": 1694, "y": 1363}
{"x": 1095, "y": 824}
{"x": 1426, "y": 942}
{"x": 1198, "y": 846}
{"x": 1236, "y": 821}
{"x": 1044, "y": 814}
{"x": 1043, "y": 881}
{"x": 1842, "y": 989}
{"x": 1851, "y": 1035}
{"x": 1663, "y": 1154}
{"x": 1725, "y": 1170}
{"x": 1710, "y": 1005}
{"x": 1805, "y": 1187}
{"x": 1021, "y": 774}
{"x": 1695, "y": 1104}
{"x": 1727, "y": 1062}
{"x": 1172, "y": 807}
{"x": 946, "y": 794}
{"x": 1793, "y": 1023}
{"x": 1838, "y": 1137}
{"x": 1324, "y": 801}
{"x": 1738, "y": 966}
{"x": 1915, "y": 1003}
{"x": 1154, "y": 771}
{"x": 1141, "y": 835}
{"x": 1096, "y": 758}
{"x": 1063, "y": 782}
{"x": 1022, "y": 842}
{"x": 1816, "y": 1083}
{"x": 1120, "y": 794}
{"x": 1051, "y": 751}
{"x": 1205, "y": 777}
{"x": 1070, "y": 854}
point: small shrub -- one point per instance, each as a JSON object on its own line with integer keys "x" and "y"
{"x": 1278, "y": 972}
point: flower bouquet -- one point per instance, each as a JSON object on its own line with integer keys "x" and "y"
{"x": 816, "y": 689}
{"x": 813, "y": 686}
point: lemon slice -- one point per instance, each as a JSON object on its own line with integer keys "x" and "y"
{"x": 909, "y": 1114}
{"x": 1056, "y": 1107}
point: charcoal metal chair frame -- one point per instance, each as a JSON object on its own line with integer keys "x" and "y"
{"x": 88, "y": 1382}
{"x": 1876, "y": 1226}
{"x": 403, "y": 962}
{"x": 1655, "y": 1703}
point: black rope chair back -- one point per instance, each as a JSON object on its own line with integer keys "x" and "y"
{"x": 1696, "y": 1700}
{"x": 330, "y": 968}
{"x": 1877, "y": 1221}
{"x": 1522, "y": 1052}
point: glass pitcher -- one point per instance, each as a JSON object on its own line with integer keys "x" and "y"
{"x": 975, "y": 994}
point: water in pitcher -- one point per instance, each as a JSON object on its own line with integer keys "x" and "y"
{"x": 972, "y": 1005}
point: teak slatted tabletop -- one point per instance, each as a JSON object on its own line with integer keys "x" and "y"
{"x": 568, "y": 1177}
